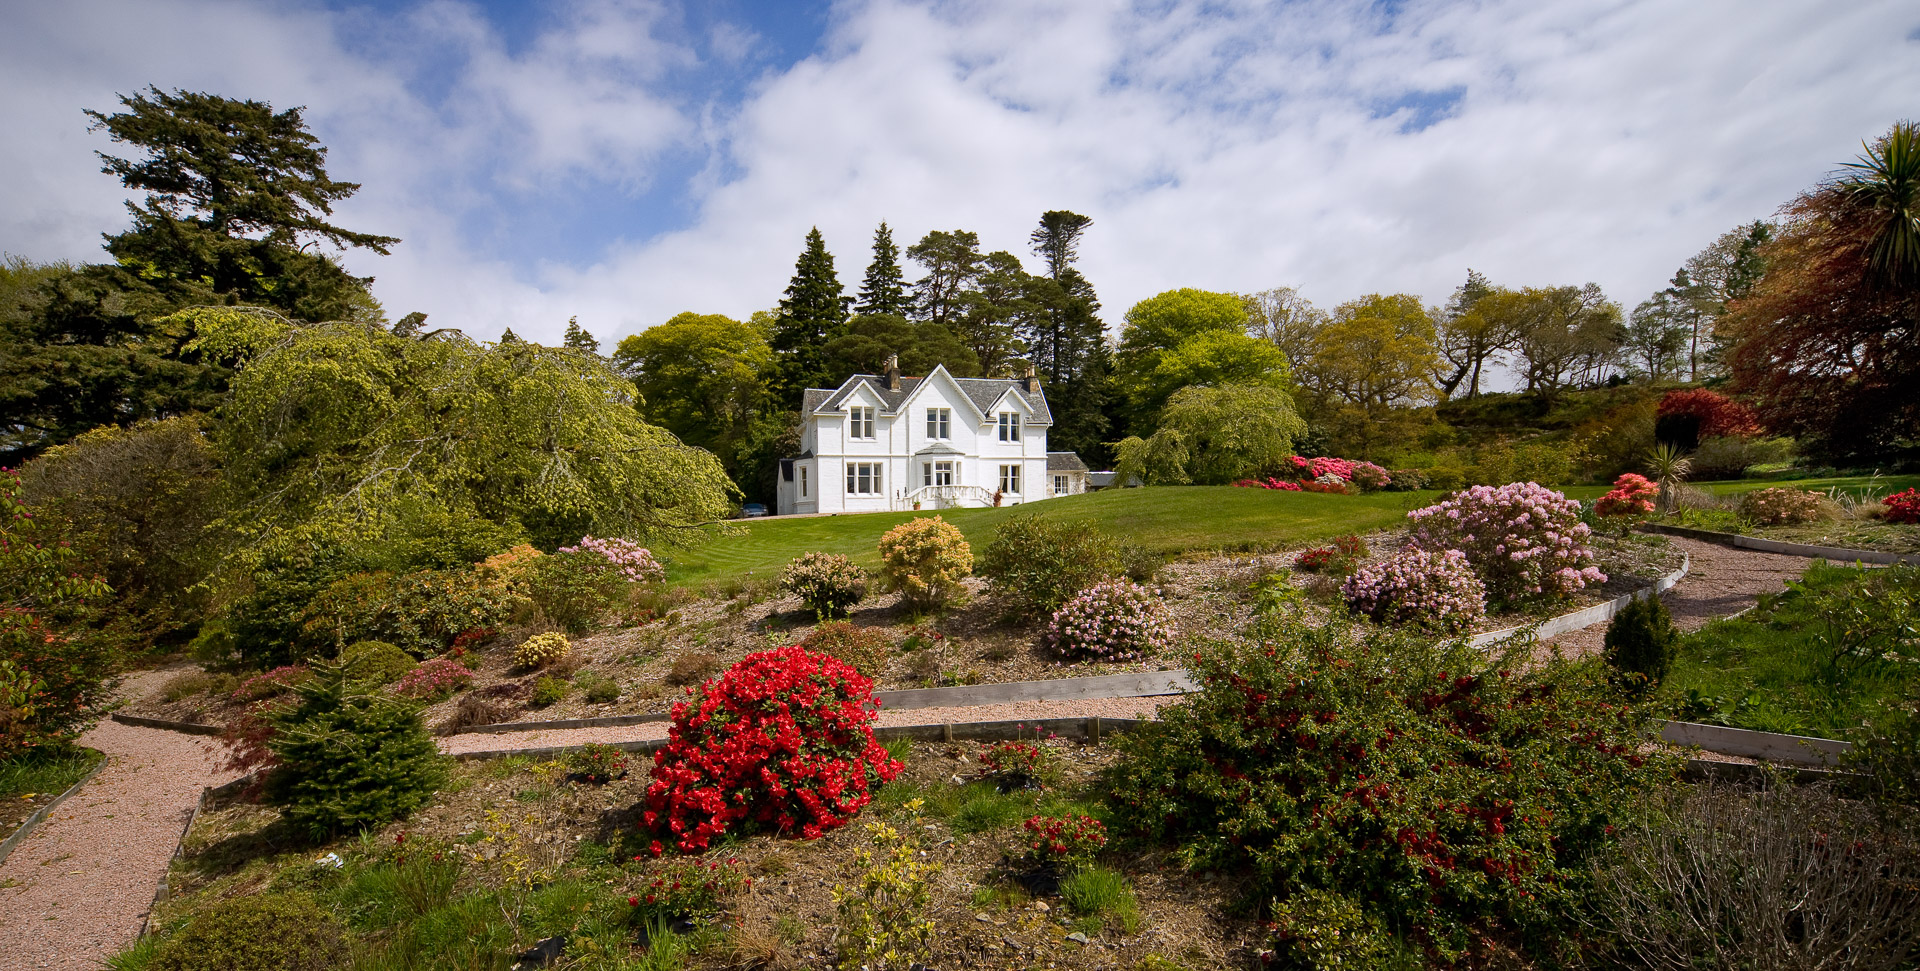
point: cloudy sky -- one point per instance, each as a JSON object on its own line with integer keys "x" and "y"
{"x": 624, "y": 160}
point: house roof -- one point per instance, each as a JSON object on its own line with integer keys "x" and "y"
{"x": 983, "y": 392}
{"x": 1065, "y": 462}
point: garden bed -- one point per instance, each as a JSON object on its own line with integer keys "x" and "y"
{"x": 32, "y": 782}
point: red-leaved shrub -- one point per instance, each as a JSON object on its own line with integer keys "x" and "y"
{"x": 1716, "y": 414}
{"x": 783, "y": 739}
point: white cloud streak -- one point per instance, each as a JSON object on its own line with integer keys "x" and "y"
{"x": 1229, "y": 146}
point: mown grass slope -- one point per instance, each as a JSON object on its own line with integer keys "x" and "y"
{"x": 1166, "y": 519}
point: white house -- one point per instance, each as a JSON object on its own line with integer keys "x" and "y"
{"x": 883, "y": 441}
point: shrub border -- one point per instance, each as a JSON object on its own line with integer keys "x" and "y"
{"x": 19, "y": 835}
{"x": 1587, "y": 616}
{"x": 1740, "y": 541}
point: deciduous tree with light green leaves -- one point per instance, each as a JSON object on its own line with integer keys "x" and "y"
{"x": 330, "y": 427}
{"x": 1158, "y": 326}
{"x": 702, "y": 377}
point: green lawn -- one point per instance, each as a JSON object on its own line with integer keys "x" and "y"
{"x": 50, "y": 769}
{"x": 1164, "y": 519}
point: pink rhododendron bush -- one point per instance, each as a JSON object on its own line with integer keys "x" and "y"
{"x": 1523, "y": 539}
{"x": 1632, "y": 495}
{"x": 1119, "y": 620}
{"x": 783, "y": 739}
{"x": 1436, "y": 589}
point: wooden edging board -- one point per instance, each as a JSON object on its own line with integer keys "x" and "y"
{"x": 1739, "y": 541}
{"x": 1589, "y": 616}
{"x": 185, "y": 728}
{"x": 1092, "y": 729}
{"x": 1797, "y": 749}
{"x": 27, "y": 826}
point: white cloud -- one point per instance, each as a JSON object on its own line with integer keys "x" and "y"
{"x": 1228, "y": 146}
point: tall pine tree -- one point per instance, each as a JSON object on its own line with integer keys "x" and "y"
{"x": 813, "y": 313}
{"x": 884, "y": 290}
{"x": 1066, "y": 340}
{"x": 578, "y": 338}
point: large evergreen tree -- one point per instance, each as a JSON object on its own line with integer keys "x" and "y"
{"x": 952, "y": 261}
{"x": 813, "y": 313}
{"x": 579, "y": 339}
{"x": 235, "y": 193}
{"x": 884, "y": 289}
{"x": 1066, "y": 340}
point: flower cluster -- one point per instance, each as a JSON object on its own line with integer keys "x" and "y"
{"x": 1314, "y": 468}
{"x": 1779, "y": 507}
{"x": 828, "y": 583}
{"x": 691, "y": 888}
{"x": 508, "y": 568}
{"x": 1903, "y": 507}
{"x": 1428, "y": 588}
{"x": 541, "y": 650}
{"x": 1633, "y": 495}
{"x": 272, "y": 684}
{"x": 1522, "y": 538}
{"x": 1064, "y": 839}
{"x": 597, "y": 763}
{"x": 784, "y": 739}
{"x": 1283, "y": 484}
{"x": 1113, "y": 621}
{"x": 1012, "y": 766}
{"x": 434, "y": 680}
{"x": 635, "y": 562}
{"x": 925, "y": 559}
{"x": 1369, "y": 476}
{"x": 1342, "y": 557}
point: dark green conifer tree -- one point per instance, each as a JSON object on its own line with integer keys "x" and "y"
{"x": 1066, "y": 341}
{"x": 578, "y": 338}
{"x": 884, "y": 289}
{"x": 813, "y": 313}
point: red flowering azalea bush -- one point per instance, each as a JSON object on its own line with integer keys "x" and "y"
{"x": 690, "y": 888}
{"x": 1342, "y": 557}
{"x": 1455, "y": 800}
{"x": 1118, "y": 620}
{"x": 433, "y": 680}
{"x": 1435, "y": 589}
{"x": 1012, "y": 766}
{"x": 1316, "y": 468}
{"x": 1281, "y": 484}
{"x": 782, "y": 739}
{"x": 1633, "y": 495}
{"x": 1523, "y": 539}
{"x": 1903, "y": 507}
{"x": 1071, "y": 840}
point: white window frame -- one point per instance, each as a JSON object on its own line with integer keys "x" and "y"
{"x": 863, "y": 478}
{"x": 940, "y": 473}
{"x": 1061, "y": 485}
{"x": 803, "y": 482}
{"x": 940, "y": 423}
{"x": 1010, "y": 480}
{"x": 860, "y": 422}
{"x": 1009, "y": 426}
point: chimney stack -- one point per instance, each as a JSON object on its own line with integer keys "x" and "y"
{"x": 893, "y": 372}
{"x": 1030, "y": 380}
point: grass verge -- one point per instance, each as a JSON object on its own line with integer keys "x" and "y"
{"x": 46, "y": 770}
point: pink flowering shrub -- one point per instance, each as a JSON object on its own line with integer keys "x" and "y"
{"x": 1281, "y": 484}
{"x": 1523, "y": 539}
{"x": 272, "y": 684}
{"x": 782, "y": 739}
{"x": 1314, "y": 468}
{"x": 633, "y": 561}
{"x": 1114, "y": 621}
{"x": 1369, "y": 476}
{"x": 1428, "y": 588}
{"x": 1633, "y": 495}
{"x": 433, "y": 680}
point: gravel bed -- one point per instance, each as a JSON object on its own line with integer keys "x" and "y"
{"x": 76, "y": 890}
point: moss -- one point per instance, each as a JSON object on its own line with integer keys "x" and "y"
{"x": 270, "y": 932}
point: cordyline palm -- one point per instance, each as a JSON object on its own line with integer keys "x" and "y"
{"x": 1886, "y": 181}
{"x": 1669, "y": 466}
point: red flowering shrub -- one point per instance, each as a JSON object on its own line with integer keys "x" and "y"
{"x": 1686, "y": 417}
{"x": 782, "y": 739}
{"x": 1341, "y": 558}
{"x": 1282, "y": 484}
{"x": 1903, "y": 507}
{"x": 272, "y": 684}
{"x": 1012, "y": 766}
{"x": 434, "y": 680}
{"x": 1633, "y": 495}
{"x": 1451, "y": 795}
{"x": 1064, "y": 839}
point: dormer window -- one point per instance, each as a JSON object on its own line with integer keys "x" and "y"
{"x": 939, "y": 423}
{"x": 860, "y": 421}
{"x": 1010, "y": 427}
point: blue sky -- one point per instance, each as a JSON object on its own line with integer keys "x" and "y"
{"x": 625, "y": 160}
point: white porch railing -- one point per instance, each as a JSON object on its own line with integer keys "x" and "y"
{"x": 946, "y": 497}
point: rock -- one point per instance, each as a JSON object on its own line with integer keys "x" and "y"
{"x": 543, "y": 952}
{"x": 1078, "y": 938}
{"x": 1041, "y": 906}
{"x": 983, "y": 918}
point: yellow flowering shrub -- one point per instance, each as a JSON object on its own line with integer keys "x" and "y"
{"x": 925, "y": 559}
{"x": 883, "y": 916}
{"x": 541, "y": 650}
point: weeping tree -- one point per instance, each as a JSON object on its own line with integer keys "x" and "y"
{"x": 334, "y": 429}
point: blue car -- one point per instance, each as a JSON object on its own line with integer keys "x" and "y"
{"x": 752, "y": 509}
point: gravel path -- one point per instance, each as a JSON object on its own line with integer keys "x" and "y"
{"x": 1720, "y": 581}
{"x": 75, "y": 892}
